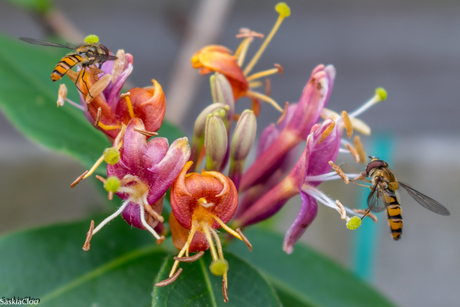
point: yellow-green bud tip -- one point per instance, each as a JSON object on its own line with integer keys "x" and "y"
{"x": 283, "y": 9}
{"x": 111, "y": 155}
{"x": 92, "y": 39}
{"x": 218, "y": 267}
{"x": 112, "y": 184}
{"x": 381, "y": 92}
{"x": 353, "y": 223}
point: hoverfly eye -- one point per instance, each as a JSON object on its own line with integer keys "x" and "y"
{"x": 375, "y": 164}
{"x": 105, "y": 49}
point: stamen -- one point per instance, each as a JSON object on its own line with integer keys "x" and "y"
{"x": 170, "y": 280}
{"x": 100, "y": 178}
{"x": 339, "y": 172}
{"x": 80, "y": 178}
{"x": 118, "y": 65}
{"x": 360, "y": 126}
{"x": 360, "y": 149}
{"x": 353, "y": 152}
{"x": 62, "y": 95}
{"x": 343, "y": 213}
{"x": 203, "y": 202}
{"x": 152, "y": 212}
{"x": 242, "y": 50}
{"x": 264, "y": 98}
{"x": 98, "y": 117}
{"x": 108, "y": 127}
{"x": 72, "y": 75}
{"x": 211, "y": 243}
{"x": 191, "y": 258}
{"x": 184, "y": 249}
{"x": 348, "y": 125}
{"x": 98, "y": 87}
{"x": 286, "y": 105}
{"x": 118, "y": 142}
{"x": 245, "y": 240}
{"x": 110, "y": 217}
{"x": 228, "y": 229}
{"x": 145, "y": 132}
{"x": 224, "y": 290}
{"x": 128, "y": 103}
{"x": 327, "y": 132}
{"x": 245, "y": 32}
{"x": 283, "y": 10}
{"x": 380, "y": 94}
{"x": 268, "y": 87}
{"x": 369, "y": 214}
{"x": 255, "y": 84}
{"x": 265, "y": 73}
{"x": 218, "y": 243}
{"x": 89, "y": 236}
{"x": 95, "y": 166}
{"x": 147, "y": 226}
{"x": 110, "y": 195}
{"x": 161, "y": 240}
{"x": 326, "y": 113}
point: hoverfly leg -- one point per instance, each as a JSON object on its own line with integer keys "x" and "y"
{"x": 365, "y": 214}
{"x": 361, "y": 185}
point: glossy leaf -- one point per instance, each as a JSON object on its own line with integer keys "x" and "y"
{"x": 49, "y": 263}
{"x": 305, "y": 278}
{"x": 28, "y": 99}
{"x": 196, "y": 286}
{"x": 40, "y": 6}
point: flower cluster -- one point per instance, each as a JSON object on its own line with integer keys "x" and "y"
{"x": 142, "y": 166}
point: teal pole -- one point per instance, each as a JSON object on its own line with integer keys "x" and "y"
{"x": 367, "y": 236}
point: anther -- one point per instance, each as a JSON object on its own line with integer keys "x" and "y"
{"x": 353, "y": 152}
{"x": 98, "y": 117}
{"x": 224, "y": 291}
{"x": 118, "y": 65}
{"x": 327, "y": 132}
{"x": 339, "y": 172}
{"x": 101, "y": 179}
{"x": 245, "y": 32}
{"x": 360, "y": 149}
{"x": 343, "y": 213}
{"x": 145, "y": 132}
{"x": 89, "y": 235}
{"x": 98, "y": 87}
{"x": 268, "y": 87}
{"x": 110, "y": 195}
{"x": 369, "y": 214}
{"x": 283, "y": 115}
{"x": 62, "y": 95}
{"x": 80, "y": 178}
{"x": 191, "y": 258}
{"x": 245, "y": 240}
{"x": 280, "y": 68}
{"x": 152, "y": 212}
{"x": 161, "y": 240}
{"x": 347, "y": 123}
{"x": 170, "y": 280}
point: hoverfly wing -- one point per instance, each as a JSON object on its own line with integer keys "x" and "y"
{"x": 376, "y": 199}
{"x": 425, "y": 201}
{"x": 45, "y": 43}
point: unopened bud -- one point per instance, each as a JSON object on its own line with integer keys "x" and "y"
{"x": 222, "y": 92}
{"x": 112, "y": 184}
{"x": 218, "y": 267}
{"x": 215, "y": 142}
{"x": 111, "y": 155}
{"x": 200, "y": 122}
{"x": 244, "y": 136}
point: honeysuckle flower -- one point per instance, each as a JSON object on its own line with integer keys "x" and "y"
{"x": 311, "y": 169}
{"x": 141, "y": 175}
{"x": 202, "y": 203}
{"x": 215, "y": 58}
{"x": 314, "y": 97}
{"x": 100, "y": 100}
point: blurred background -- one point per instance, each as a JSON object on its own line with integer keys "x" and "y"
{"x": 411, "y": 48}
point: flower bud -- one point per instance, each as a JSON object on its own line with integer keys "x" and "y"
{"x": 222, "y": 92}
{"x": 244, "y": 136}
{"x": 216, "y": 142}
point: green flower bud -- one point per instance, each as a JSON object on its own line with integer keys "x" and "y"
{"x": 215, "y": 142}
{"x": 244, "y": 136}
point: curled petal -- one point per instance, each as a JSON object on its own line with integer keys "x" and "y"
{"x": 307, "y": 214}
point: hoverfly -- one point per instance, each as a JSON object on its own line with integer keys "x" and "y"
{"x": 384, "y": 195}
{"x": 85, "y": 55}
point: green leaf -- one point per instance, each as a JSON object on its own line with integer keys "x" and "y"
{"x": 49, "y": 263}
{"x": 305, "y": 278}
{"x": 28, "y": 99}
{"x": 40, "y": 6}
{"x": 196, "y": 286}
